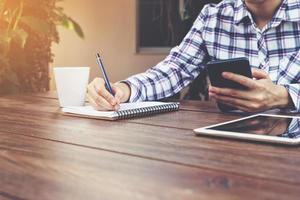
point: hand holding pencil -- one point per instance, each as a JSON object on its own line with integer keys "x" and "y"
{"x": 106, "y": 96}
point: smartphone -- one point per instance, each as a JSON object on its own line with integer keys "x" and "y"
{"x": 215, "y": 69}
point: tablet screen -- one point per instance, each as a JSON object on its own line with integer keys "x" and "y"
{"x": 264, "y": 125}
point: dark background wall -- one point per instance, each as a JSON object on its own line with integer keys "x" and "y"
{"x": 163, "y": 24}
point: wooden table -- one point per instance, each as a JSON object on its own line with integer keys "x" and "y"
{"x": 45, "y": 155}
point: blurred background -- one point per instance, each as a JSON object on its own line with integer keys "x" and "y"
{"x": 131, "y": 35}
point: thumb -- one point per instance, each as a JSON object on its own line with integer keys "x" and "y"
{"x": 259, "y": 74}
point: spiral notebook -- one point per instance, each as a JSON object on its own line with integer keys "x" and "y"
{"x": 126, "y": 111}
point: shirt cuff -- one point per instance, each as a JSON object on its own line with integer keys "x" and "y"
{"x": 134, "y": 91}
{"x": 294, "y": 91}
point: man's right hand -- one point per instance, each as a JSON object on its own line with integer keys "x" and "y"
{"x": 101, "y": 99}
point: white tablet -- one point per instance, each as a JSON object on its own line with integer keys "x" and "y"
{"x": 262, "y": 127}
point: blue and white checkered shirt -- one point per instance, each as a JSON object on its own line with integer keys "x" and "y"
{"x": 224, "y": 31}
{"x": 293, "y": 130}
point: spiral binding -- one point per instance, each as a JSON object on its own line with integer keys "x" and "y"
{"x": 142, "y": 112}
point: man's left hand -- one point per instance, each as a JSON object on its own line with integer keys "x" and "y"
{"x": 261, "y": 94}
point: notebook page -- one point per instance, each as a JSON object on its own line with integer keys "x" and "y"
{"x": 88, "y": 111}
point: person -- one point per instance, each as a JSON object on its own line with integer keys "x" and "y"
{"x": 267, "y": 32}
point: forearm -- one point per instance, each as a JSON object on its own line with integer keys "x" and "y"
{"x": 183, "y": 65}
{"x": 294, "y": 96}
{"x": 283, "y": 98}
{"x": 164, "y": 80}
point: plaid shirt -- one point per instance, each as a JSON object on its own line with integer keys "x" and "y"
{"x": 293, "y": 130}
{"x": 224, "y": 31}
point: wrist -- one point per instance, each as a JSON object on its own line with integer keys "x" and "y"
{"x": 283, "y": 98}
{"x": 126, "y": 91}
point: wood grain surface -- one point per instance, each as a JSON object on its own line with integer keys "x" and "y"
{"x": 46, "y": 155}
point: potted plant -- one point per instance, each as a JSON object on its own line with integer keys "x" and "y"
{"x": 27, "y": 30}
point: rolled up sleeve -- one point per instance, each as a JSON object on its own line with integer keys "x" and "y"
{"x": 289, "y": 77}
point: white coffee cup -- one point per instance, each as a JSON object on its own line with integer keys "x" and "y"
{"x": 71, "y": 84}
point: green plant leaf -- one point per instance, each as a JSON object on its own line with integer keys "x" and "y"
{"x": 59, "y": 9}
{"x": 36, "y": 24}
{"x": 77, "y": 29}
{"x": 70, "y": 24}
{"x": 66, "y": 22}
